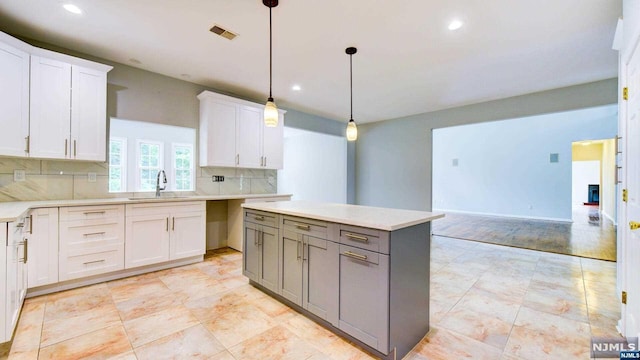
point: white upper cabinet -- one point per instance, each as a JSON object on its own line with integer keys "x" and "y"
{"x": 233, "y": 134}
{"x": 50, "y": 125}
{"x": 14, "y": 98}
{"x": 249, "y": 137}
{"x": 88, "y": 113}
{"x": 59, "y": 101}
{"x": 272, "y": 145}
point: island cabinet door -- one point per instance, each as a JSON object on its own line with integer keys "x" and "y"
{"x": 320, "y": 274}
{"x": 291, "y": 272}
{"x": 252, "y": 253}
{"x": 364, "y": 296}
{"x": 269, "y": 262}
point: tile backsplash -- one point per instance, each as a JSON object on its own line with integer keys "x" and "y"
{"x": 61, "y": 180}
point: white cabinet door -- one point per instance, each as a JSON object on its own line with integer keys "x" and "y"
{"x": 50, "y": 111}
{"x": 273, "y": 148}
{"x": 188, "y": 236}
{"x": 3, "y": 283}
{"x": 147, "y": 240}
{"x": 217, "y": 133}
{"x": 43, "y": 247}
{"x": 249, "y": 137}
{"x": 16, "y": 277}
{"x": 14, "y": 101}
{"x": 88, "y": 114}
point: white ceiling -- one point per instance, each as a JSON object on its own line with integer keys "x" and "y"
{"x": 408, "y": 62}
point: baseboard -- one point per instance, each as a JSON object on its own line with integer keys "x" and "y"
{"x": 615, "y": 223}
{"x": 562, "y": 220}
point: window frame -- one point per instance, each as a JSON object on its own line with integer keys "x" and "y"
{"x": 123, "y": 164}
{"x": 173, "y": 168}
{"x": 161, "y": 163}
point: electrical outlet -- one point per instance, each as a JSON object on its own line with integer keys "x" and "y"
{"x": 91, "y": 177}
{"x": 19, "y": 175}
{"x": 217, "y": 178}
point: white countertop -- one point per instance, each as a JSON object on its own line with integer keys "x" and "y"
{"x": 11, "y": 211}
{"x": 366, "y": 216}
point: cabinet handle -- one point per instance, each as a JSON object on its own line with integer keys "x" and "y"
{"x": 26, "y": 139}
{"x": 303, "y": 227}
{"x": 298, "y": 249}
{"x": 265, "y": 162}
{"x": 261, "y": 241}
{"x": 93, "y": 262}
{"x": 26, "y": 251}
{"x": 94, "y": 212}
{"x": 75, "y": 148}
{"x": 354, "y": 255}
{"x": 31, "y": 224}
{"x": 305, "y": 245}
{"x": 173, "y": 223}
{"x": 95, "y": 233}
{"x": 261, "y": 160}
{"x": 259, "y": 218}
{"x": 255, "y": 239}
{"x": 237, "y": 159}
{"x": 66, "y": 145}
{"x": 167, "y": 227}
{"x": 357, "y": 237}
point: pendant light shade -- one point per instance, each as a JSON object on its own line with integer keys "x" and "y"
{"x": 270, "y": 108}
{"x": 352, "y": 129}
{"x": 270, "y": 113}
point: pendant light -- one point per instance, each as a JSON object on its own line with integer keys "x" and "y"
{"x": 352, "y": 130}
{"x": 270, "y": 109}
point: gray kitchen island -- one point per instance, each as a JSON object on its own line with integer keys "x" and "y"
{"x": 362, "y": 272}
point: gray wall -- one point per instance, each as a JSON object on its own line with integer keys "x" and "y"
{"x": 393, "y": 158}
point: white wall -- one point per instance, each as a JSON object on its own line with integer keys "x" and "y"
{"x": 504, "y": 166}
{"x": 584, "y": 173}
{"x": 315, "y": 166}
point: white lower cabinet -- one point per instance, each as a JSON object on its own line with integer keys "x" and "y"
{"x": 158, "y": 232}
{"x": 43, "y": 245}
{"x": 91, "y": 240}
{"x": 14, "y": 280}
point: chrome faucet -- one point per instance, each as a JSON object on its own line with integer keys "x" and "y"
{"x": 164, "y": 182}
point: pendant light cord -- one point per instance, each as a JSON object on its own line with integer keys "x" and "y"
{"x": 351, "y": 82}
{"x": 270, "y": 56}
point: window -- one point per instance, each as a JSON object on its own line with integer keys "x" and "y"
{"x": 182, "y": 166}
{"x": 117, "y": 164}
{"x": 150, "y": 159}
{"x": 140, "y": 149}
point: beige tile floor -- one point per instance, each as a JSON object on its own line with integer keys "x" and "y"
{"x": 487, "y": 302}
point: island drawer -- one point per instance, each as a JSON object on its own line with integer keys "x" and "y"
{"x": 261, "y": 217}
{"x": 365, "y": 238}
{"x": 94, "y": 212}
{"x": 78, "y": 264}
{"x": 305, "y": 226}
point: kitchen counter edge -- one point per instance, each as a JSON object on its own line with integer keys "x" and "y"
{"x": 11, "y": 211}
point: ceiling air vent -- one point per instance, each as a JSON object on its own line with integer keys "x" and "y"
{"x": 223, "y": 32}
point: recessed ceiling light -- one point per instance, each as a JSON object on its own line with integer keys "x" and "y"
{"x": 455, "y": 25}
{"x": 296, "y": 88}
{"x": 72, "y": 9}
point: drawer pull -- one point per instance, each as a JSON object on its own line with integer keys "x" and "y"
{"x": 303, "y": 227}
{"x": 354, "y": 255}
{"x": 259, "y": 218}
{"x": 94, "y": 212}
{"x": 357, "y": 237}
{"x": 93, "y": 262}
{"x": 95, "y": 233}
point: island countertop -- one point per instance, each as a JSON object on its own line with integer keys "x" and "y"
{"x": 366, "y": 216}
